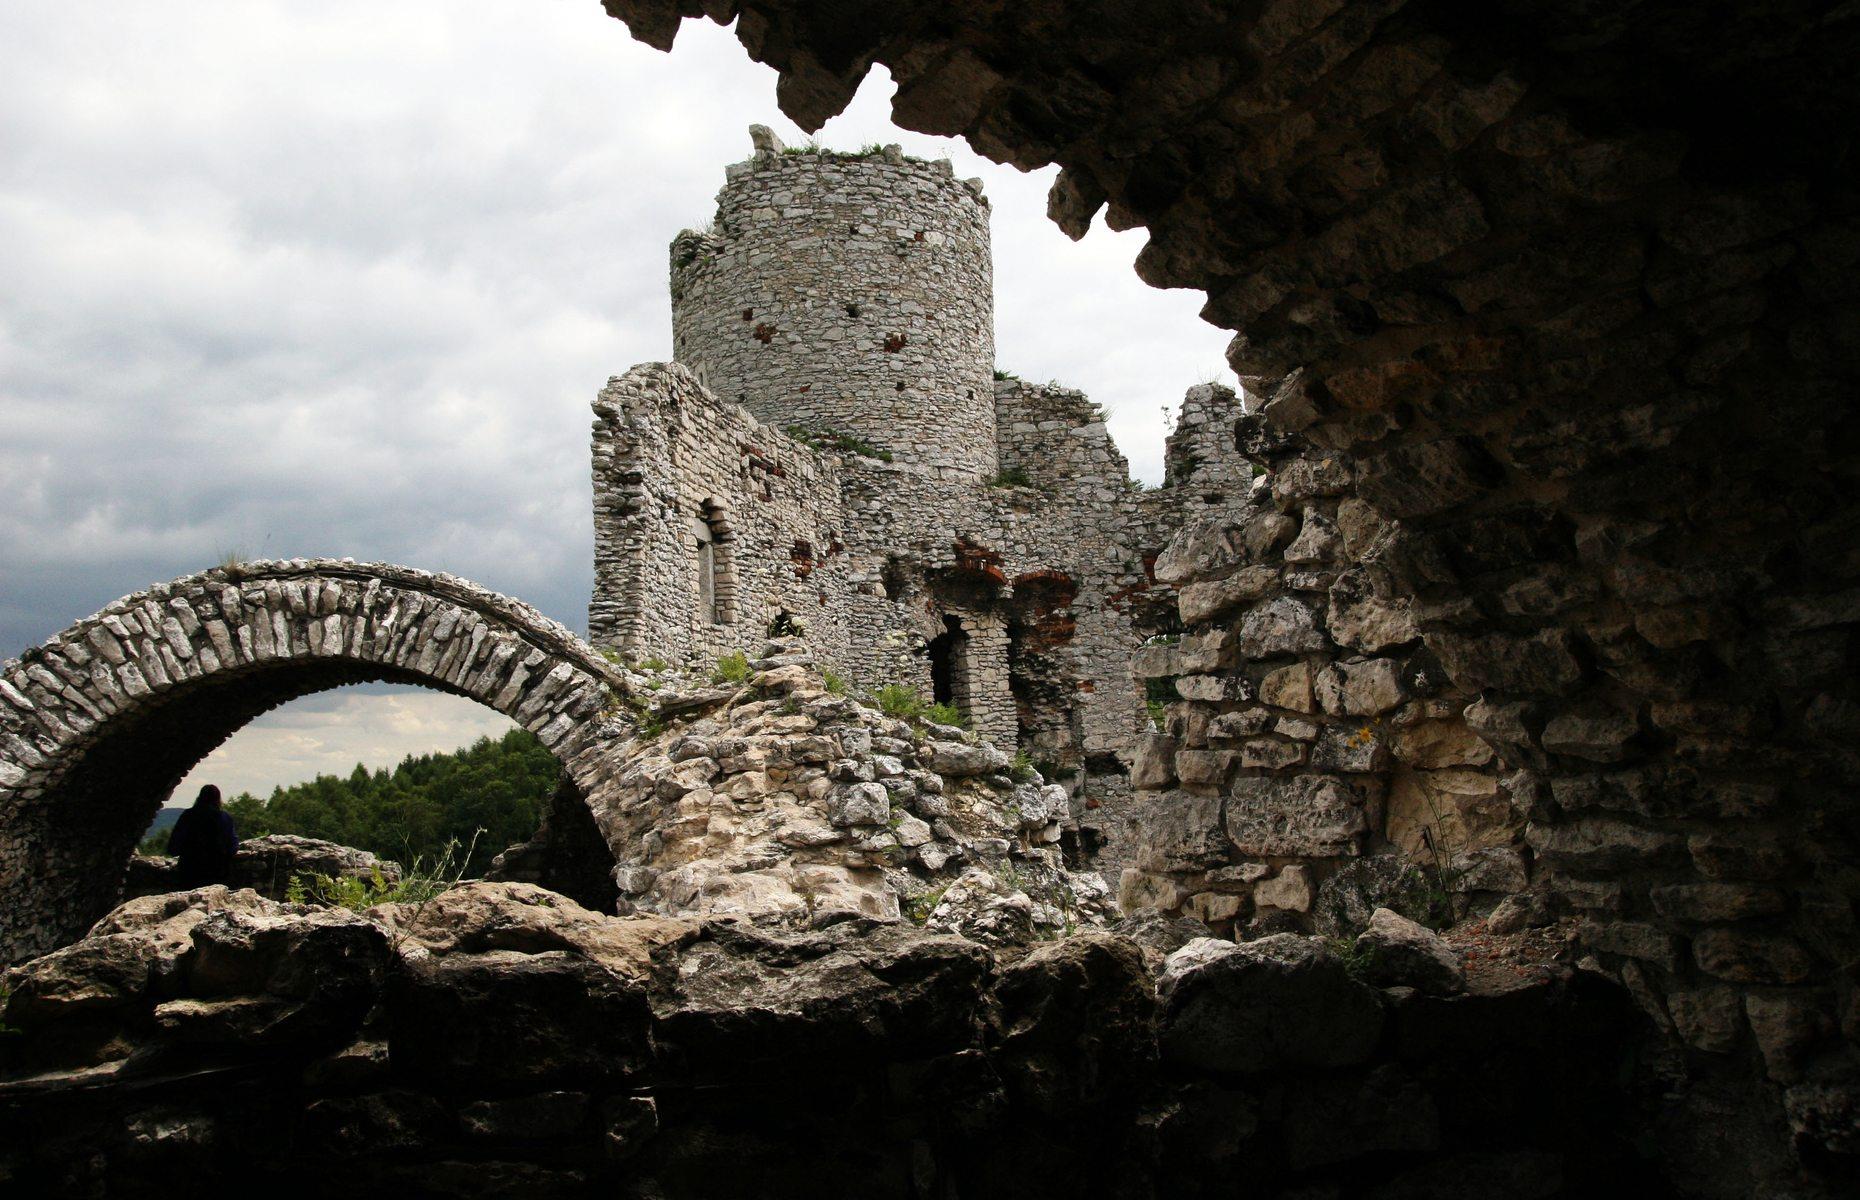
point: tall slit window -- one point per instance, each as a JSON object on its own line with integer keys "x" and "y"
{"x": 716, "y": 580}
{"x": 706, "y": 571}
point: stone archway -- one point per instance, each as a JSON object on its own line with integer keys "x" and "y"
{"x": 98, "y": 724}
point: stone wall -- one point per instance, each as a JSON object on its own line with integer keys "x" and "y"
{"x": 673, "y": 465}
{"x": 848, "y": 293}
{"x": 1309, "y": 727}
{"x": 1571, "y": 292}
{"x": 838, "y": 507}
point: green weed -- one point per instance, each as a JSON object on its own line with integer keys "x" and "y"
{"x": 731, "y": 668}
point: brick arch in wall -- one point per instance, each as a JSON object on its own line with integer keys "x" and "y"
{"x": 1568, "y": 300}
{"x": 98, "y": 724}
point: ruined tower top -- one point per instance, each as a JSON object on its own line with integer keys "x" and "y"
{"x": 847, "y": 293}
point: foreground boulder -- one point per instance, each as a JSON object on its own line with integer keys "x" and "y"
{"x": 1403, "y": 953}
{"x": 1281, "y": 1001}
{"x": 222, "y": 971}
{"x": 501, "y": 1039}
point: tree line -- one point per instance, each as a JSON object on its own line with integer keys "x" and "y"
{"x": 498, "y": 785}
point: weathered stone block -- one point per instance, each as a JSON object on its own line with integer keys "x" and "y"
{"x": 1182, "y": 831}
{"x": 1272, "y": 754}
{"x": 1788, "y": 1026}
{"x": 1739, "y": 856}
{"x": 1430, "y": 745}
{"x": 1203, "y": 601}
{"x": 1404, "y": 953}
{"x": 1742, "y": 956}
{"x": 1358, "y": 748}
{"x": 1597, "y": 845}
{"x": 1289, "y": 890}
{"x": 1596, "y": 733}
{"x": 1317, "y": 540}
{"x": 1281, "y": 626}
{"x": 1360, "y": 689}
{"x": 1459, "y": 811}
{"x": 1204, "y": 770}
{"x": 1542, "y": 664}
{"x": 1211, "y": 689}
{"x": 1277, "y": 1003}
{"x": 859, "y": 804}
{"x": 1366, "y": 617}
{"x": 1138, "y": 890}
{"x": 1207, "y": 652}
{"x": 1420, "y": 479}
{"x": 1153, "y": 762}
{"x": 1212, "y": 908}
{"x": 1634, "y": 940}
{"x": 1309, "y": 816}
{"x": 1244, "y": 723}
{"x": 1288, "y": 687}
{"x": 1709, "y": 1018}
{"x": 1709, "y": 902}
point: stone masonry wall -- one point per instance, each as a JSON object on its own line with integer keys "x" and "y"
{"x": 847, "y": 293}
{"x": 875, "y": 543}
{"x": 1311, "y": 727}
{"x": 670, "y": 460}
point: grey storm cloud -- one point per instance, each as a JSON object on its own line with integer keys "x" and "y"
{"x": 284, "y": 279}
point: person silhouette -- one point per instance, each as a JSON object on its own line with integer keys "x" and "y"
{"x": 204, "y": 840}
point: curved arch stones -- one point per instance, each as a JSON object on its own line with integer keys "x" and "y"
{"x": 98, "y": 724}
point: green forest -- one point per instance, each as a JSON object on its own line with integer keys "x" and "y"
{"x": 413, "y": 811}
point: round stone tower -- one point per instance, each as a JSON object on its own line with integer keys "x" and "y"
{"x": 849, "y": 294}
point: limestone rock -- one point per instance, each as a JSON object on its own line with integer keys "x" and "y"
{"x": 983, "y": 908}
{"x": 1277, "y": 1003}
{"x": 1313, "y": 816}
{"x": 1207, "y": 599}
{"x": 961, "y": 758}
{"x": 1403, "y": 953}
{"x": 1289, "y": 890}
{"x": 1448, "y": 812}
{"x": 480, "y": 917}
{"x": 1281, "y": 626}
{"x": 1360, "y": 689}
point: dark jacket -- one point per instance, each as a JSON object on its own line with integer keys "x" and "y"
{"x": 204, "y": 840}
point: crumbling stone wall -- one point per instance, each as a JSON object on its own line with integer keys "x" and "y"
{"x": 1035, "y": 578}
{"x": 1309, "y": 726}
{"x": 1571, "y": 291}
{"x": 673, "y": 465}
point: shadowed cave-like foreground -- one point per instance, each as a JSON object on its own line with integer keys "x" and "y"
{"x": 1560, "y": 303}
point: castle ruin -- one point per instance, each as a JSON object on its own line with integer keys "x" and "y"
{"x": 1551, "y": 586}
{"x": 833, "y": 450}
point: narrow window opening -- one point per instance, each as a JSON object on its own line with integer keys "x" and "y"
{"x": 947, "y": 685}
{"x": 716, "y": 573}
{"x": 706, "y": 572}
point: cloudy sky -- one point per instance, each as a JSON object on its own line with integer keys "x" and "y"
{"x": 287, "y": 279}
